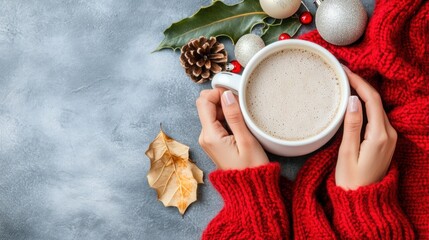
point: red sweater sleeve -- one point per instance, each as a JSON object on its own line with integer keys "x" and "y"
{"x": 253, "y": 205}
{"x": 370, "y": 212}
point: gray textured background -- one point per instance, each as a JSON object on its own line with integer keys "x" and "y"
{"x": 81, "y": 97}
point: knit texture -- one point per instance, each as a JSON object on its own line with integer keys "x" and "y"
{"x": 393, "y": 56}
{"x": 253, "y": 204}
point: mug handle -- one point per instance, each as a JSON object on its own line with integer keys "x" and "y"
{"x": 227, "y": 80}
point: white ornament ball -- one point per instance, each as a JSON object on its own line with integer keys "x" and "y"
{"x": 280, "y": 8}
{"x": 341, "y": 22}
{"x": 246, "y": 47}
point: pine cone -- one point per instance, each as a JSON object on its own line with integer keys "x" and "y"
{"x": 202, "y": 58}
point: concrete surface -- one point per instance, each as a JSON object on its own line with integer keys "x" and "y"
{"x": 81, "y": 97}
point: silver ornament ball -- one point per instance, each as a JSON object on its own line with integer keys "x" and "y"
{"x": 341, "y": 22}
{"x": 280, "y": 8}
{"x": 246, "y": 47}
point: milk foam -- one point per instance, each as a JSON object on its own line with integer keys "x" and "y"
{"x": 293, "y": 94}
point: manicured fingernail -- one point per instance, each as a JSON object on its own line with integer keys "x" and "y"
{"x": 345, "y": 68}
{"x": 353, "y": 104}
{"x": 228, "y": 97}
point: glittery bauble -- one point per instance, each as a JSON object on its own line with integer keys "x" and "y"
{"x": 247, "y": 46}
{"x": 341, "y": 22}
{"x": 280, "y": 8}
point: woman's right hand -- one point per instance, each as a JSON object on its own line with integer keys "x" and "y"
{"x": 363, "y": 163}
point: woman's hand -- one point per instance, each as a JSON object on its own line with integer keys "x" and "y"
{"x": 363, "y": 163}
{"x": 237, "y": 151}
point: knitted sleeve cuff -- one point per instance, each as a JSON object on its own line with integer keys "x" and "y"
{"x": 371, "y": 211}
{"x": 252, "y": 197}
{"x": 258, "y": 185}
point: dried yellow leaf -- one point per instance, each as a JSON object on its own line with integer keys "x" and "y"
{"x": 172, "y": 174}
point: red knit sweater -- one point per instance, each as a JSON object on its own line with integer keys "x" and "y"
{"x": 259, "y": 204}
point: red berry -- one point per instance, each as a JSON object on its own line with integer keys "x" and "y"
{"x": 237, "y": 67}
{"x": 284, "y": 36}
{"x": 306, "y": 18}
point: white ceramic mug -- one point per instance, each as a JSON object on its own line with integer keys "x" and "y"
{"x": 237, "y": 83}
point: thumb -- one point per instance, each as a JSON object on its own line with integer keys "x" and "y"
{"x": 350, "y": 145}
{"x": 234, "y": 117}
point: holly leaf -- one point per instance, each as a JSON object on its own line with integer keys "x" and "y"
{"x": 289, "y": 25}
{"x": 217, "y": 19}
{"x": 172, "y": 174}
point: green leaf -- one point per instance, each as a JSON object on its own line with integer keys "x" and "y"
{"x": 289, "y": 25}
{"x": 269, "y": 22}
{"x": 217, "y": 19}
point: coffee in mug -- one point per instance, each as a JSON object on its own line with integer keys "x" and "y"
{"x": 293, "y": 94}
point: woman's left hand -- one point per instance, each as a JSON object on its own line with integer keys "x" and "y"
{"x": 238, "y": 150}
